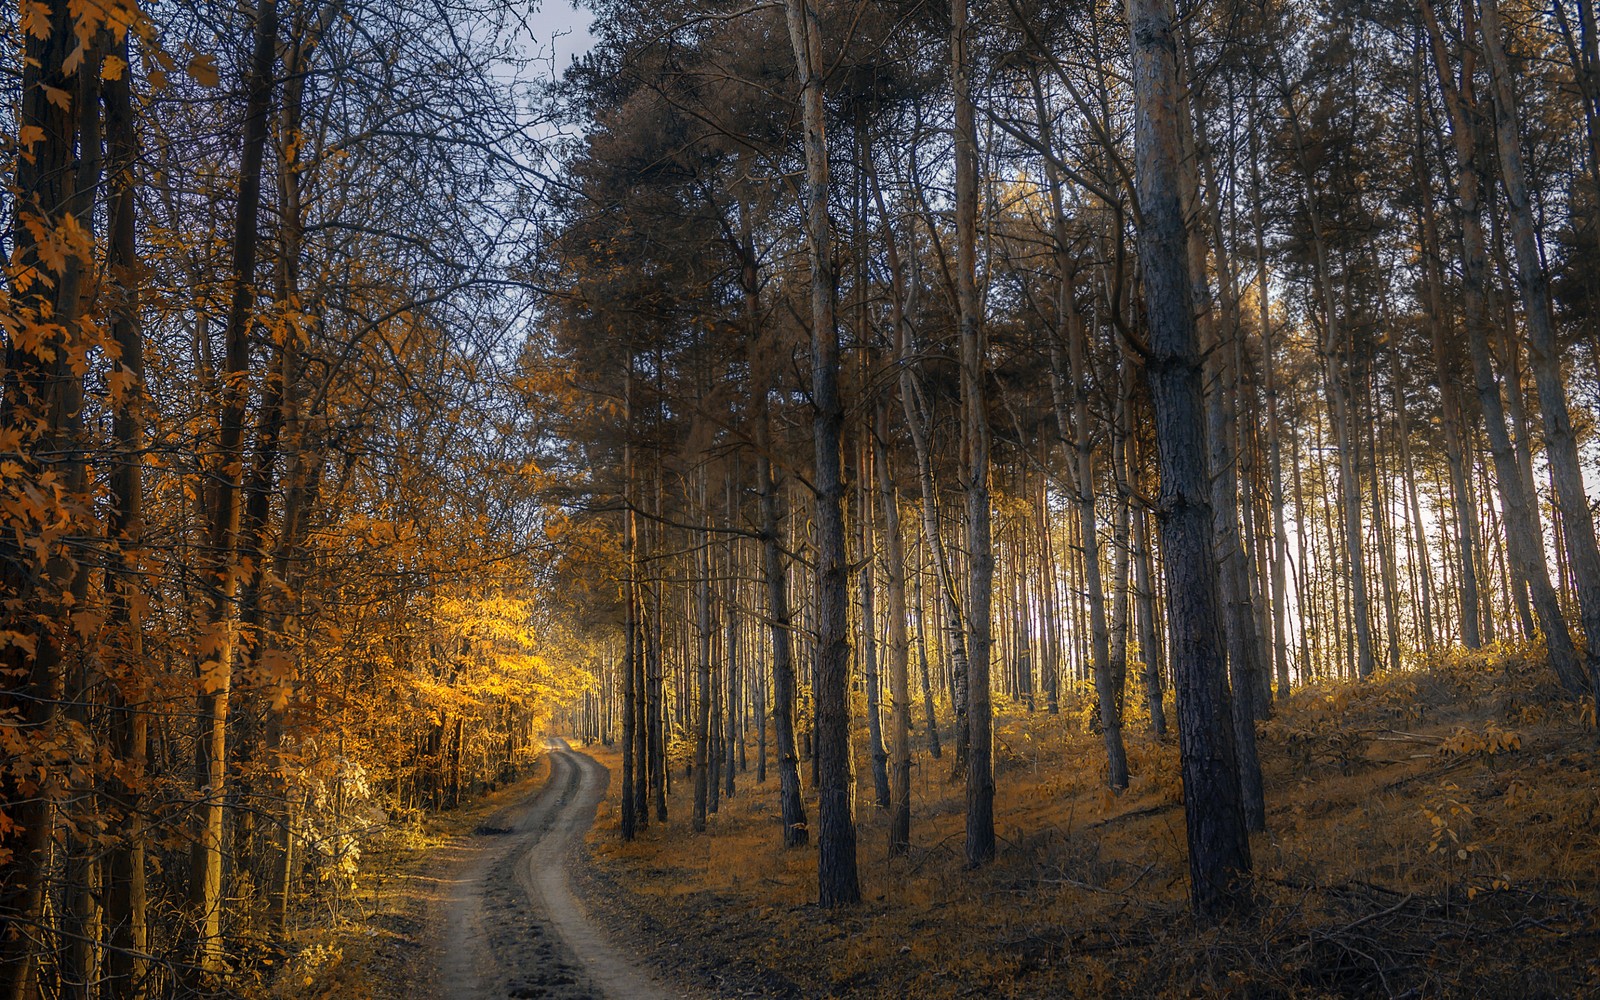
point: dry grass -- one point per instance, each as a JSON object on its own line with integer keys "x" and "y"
{"x": 1430, "y": 834}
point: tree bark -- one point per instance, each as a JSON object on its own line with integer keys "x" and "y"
{"x": 1219, "y": 847}
{"x": 1450, "y": 409}
{"x": 1561, "y": 446}
{"x": 922, "y": 666}
{"x": 731, "y": 740}
{"x": 837, "y": 881}
{"x": 899, "y": 643}
{"x": 1280, "y": 553}
{"x": 632, "y": 761}
{"x": 218, "y": 645}
{"x": 1149, "y": 644}
{"x": 126, "y": 926}
{"x": 1050, "y": 654}
{"x": 1337, "y": 352}
{"x": 1523, "y": 540}
{"x": 791, "y": 805}
{"x": 702, "y": 631}
{"x": 866, "y": 529}
{"x": 917, "y": 425}
{"x": 39, "y": 409}
{"x": 1077, "y": 439}
{"x": 980, "y": 843}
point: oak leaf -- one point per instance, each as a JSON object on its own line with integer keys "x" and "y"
{"x": 36, "y": 19}
{"x": 57, "y": 96}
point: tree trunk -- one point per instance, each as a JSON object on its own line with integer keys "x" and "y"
{"x": 774, "y": 572}
{"x": 1383, "y": 522}
{"x": 899, "y": 681}
{"x": 922, "y": 666}
{"x": 1420, "y": 561}
{"x": 1561, "y": 446}
{"x": 837, "y": 881}
{"x": 975, "y": 441}
{"x": 1450, "y": 410}
{"x": 791, "y": 805}
{"x": 1149, "y": 644}
{"x": 1218, "y": 340}
{"x": 40, "y": 412}
{"x": 632, "y": 761}
{"x": 1050, "y": 655}
{"x": 1088, "y": 535}
{"x": 1523, "y": 540}
{"x": 654, "y": 705}
{"x": 1219, "y": 847}
{"x": 1337, "y": 354}
{"x": 218, "y": 644}
{"x": 1120, "y": 543}
{"x": 702, "y": 631}
{"x": 126, "y": 926}
{"x": 865, "y": 530}
{"x": 1280, "y": 553}
{"x": 917, "y": 425}
{"x": 730, "y": 646}
{"x": 1077, "y": 438}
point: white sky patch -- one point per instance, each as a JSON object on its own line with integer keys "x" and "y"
{"x": 561, "y": 32}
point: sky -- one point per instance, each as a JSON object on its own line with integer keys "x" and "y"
{"x": 561, "y": 31}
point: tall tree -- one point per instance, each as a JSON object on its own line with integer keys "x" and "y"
{"x": 975, "y": 441}
{"x": 1521, "y": 516}
{"x": 216, "y": 666}
{"x": 837, "y": 880}
{"x": 1561, "y": 445}
{"x": 1219, "y": 847}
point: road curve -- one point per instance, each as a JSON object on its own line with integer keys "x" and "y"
{"x": 512, "y": 927}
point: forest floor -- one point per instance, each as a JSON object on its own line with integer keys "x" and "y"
{"x": 1432, "y": 833}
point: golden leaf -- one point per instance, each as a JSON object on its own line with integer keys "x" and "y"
{"x": 36, "y": 19}
{"x": 87, "y": 623}
{"x": 122, "y": 384}
{"x": 213, "y": 676}
{"x": 60, "y": 98}
{"x": 51, "y": 255}
{"x": 120, "y": 15}
{"x": 21, "y": 640}
{"x": 202, "y": 69}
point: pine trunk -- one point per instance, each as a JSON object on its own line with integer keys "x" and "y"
{"x": 1219, "y": 847}
{"x": 837, "y": 881}
{"x": 1561, "y": 447}
{"x": 980, "y": 845}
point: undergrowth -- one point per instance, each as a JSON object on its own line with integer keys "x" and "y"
{"x": 370, "y": 945}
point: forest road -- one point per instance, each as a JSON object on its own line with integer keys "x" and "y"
{"x": 511, "y": 927}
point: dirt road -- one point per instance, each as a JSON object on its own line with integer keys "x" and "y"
{"x": 510, "y": 926}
